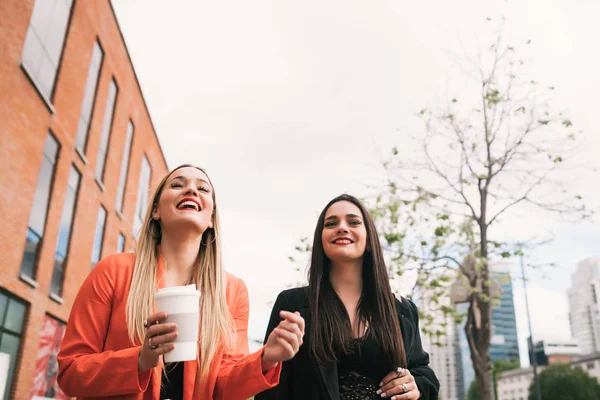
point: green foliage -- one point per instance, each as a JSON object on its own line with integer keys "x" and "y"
{"x": 473, "y": 392}
{"x": 493, "y": 97}
{"x": 563, "y": 382}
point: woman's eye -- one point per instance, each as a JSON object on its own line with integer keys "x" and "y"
{"x": 204, "y": 189}
{"x": 329, "y": 224}
{"x": 355, "y": 223}
{"x": 176, "y": 185}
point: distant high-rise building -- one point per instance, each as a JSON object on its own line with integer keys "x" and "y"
{"x": 504, "y": 341}
{"x": 445, "y": 360}
{"x": 584, "y": 311}
{"x": 468, "y": 374}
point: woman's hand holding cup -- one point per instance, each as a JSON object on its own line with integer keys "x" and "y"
{"x": 156, "y": 342}
{"x": 284, "y": 341}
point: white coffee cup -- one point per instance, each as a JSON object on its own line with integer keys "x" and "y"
{"x": 181, "y": 303}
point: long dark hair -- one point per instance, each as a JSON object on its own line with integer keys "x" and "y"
{"x": 331, "y": 333}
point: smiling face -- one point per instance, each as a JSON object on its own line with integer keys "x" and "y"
{"x": 186, "y": 201}
{"x": 344, "y": 235}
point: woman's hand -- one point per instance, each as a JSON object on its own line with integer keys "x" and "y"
{"x": 285, "y": 340}
{"x": 399, "y": 385}
{"x": 156, "y": 342}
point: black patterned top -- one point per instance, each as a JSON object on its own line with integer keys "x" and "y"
{"x": 360, "y": 372}
{"x": 172, "y": 382}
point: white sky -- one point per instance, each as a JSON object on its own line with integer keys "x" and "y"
{"x": 289, "y": 103}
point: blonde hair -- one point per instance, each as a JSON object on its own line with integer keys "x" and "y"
{"x": 208, "y": 275}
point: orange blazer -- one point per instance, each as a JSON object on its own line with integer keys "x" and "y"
{"x": 97, "y": 358}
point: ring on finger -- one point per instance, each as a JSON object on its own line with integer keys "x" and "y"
{"x": 404, "y": 387}
{"x": 400, "y": 370}
{"x": 146, "y": 323}
{"x": 151, "y": 345}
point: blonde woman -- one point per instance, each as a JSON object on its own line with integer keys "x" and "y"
{"x": 114, "y": 340}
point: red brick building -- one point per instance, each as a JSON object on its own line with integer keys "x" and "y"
{"x": 78, "y": 155}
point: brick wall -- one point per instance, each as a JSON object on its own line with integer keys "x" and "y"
{"x": 25, "y": 120}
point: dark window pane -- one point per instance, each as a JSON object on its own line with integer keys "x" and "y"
{"x": 9, "y": 344}
{"x": 58, "y": 274}
{"x": 30, "y": 254}
{"x": 39, "y": 17}
{"x": 55, "y": 35}
{"x": 143, "y": 194}
{"x": 45, "y": 75}
{"x": 121, "y": 245}
{"x": 39, "y": 209}
{"x": 37, "y": 219}
{"x": 124, "y": 166}
{"x": 33, "y": 52}
{"x": 3, "y": 306}
{"x": 44, "y": 42}
{"x": 88, "y": 97}
{"x": 15, "y": 315}
{"x": 98, "y": 238}
{"x": 108, "y": 118}
{"x": 64, "y": 234}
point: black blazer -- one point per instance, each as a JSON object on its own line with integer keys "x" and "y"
{"x": 304, "y": 378}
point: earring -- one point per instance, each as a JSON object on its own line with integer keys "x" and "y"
{"x": 212, "y": 241}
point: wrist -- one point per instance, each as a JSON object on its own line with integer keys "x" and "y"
{"x": 267, "y": 364}
{"x": 141, "y": 368}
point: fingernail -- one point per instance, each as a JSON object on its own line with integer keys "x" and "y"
{"x": 380, "y": 384}
{"x": 393, "y": 398}
{"x": 379, "y": 391}
{"x": 383, "y": 394}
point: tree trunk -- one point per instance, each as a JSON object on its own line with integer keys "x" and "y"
{"x": 483, "y": 376}
{"x": 482, "y": 340}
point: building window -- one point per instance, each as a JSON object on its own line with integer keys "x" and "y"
{"x": 64, "y": 234}
{"x": 89, "y": 96}
{"x": 106, "y": 128}
{"x": 121, "y": 245}
{"x": 594, "y": 294}
{"x": 46, "y": 364}
{"x": 142, "y": 197}
{"x": 124, "y": 166}
{"x": 44, "y": 43}
{"x": 590, "y": 365}
{"x": 98, "y": 237}
{"x": 12, "y": 318}
{"x": 39, "y": 209}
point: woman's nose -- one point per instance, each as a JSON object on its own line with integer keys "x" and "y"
{"x": 342, "y": 227}
{"x": 191, "y": 189}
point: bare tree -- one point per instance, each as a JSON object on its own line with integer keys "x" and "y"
{"x": 482, "y": 158}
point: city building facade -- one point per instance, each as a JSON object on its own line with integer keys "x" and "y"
{"x": 584, "y": 311}
{"x": 444, "y": 351}
{"x": 78, "y": 155}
